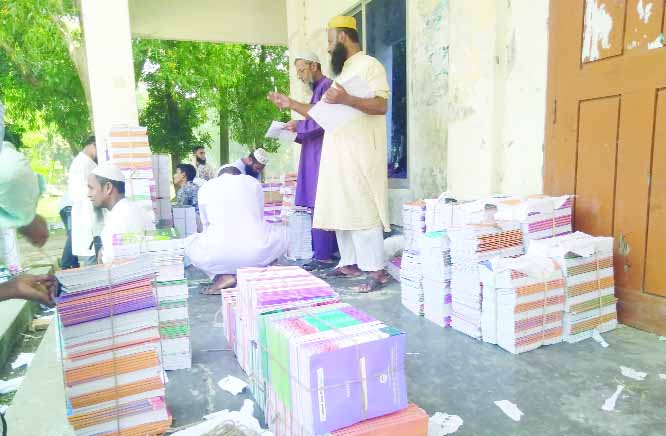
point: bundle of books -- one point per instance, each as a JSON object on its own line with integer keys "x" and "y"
{"x": 288, "y": 184}
{"x": 167, "y": 253}
{"x": 185, "y": 220}
{"x": 411, "y": 281}
{"x": 394, "y": 266}
{"x": 435, "y": 254}
{"x": 523, "y": 302}
{"x": 412, "y": 421}
{"x": 540, "y": 216}
{"x": 587, "y": 265}
{"x": 110, "y": 349}
{"x": 299, "y": 233}
{"x": 272, "y": 200}
{"x": 128, "y": 148}
{"x": 162, "y": 202}
{"x": 229, "y": 297}
{"x": 470, "y": 245}
{"x": 413, "y": 223}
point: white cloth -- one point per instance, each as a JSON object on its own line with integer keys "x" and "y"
{"x": 235, "y": 234}
{"x": 364, "y": 248}
{"x": 85, "y": 221}
{"x": 125, "y": 217}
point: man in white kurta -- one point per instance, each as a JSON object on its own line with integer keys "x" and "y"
{"x": 106, "y": 187}
{"x": 235, "y": 234}
{"x": 86, "y": 221}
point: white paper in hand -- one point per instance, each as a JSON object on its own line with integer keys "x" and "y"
{"x": 278, "y": 130}
{"x": 332, "y": 116}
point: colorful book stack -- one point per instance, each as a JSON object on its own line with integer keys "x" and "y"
{"x": 299, "y": 233}
{"x": 167, "y": 254}
{"x": 470, "y": 245}
{"x": 411, "y": 281}
{"x": 229, "y": 304}
{"x": 111, "y": 349}
{"x": 330, "y": 367}
{"x": 272, "y": 200}
{"x": 413, "y": 223}
{"x": 163, "y": 182}
{"x": 412, "y": 421}
{"x": 540, "y": 216}
{"x": 435, "y": 253}
{"x": 587, "y": 265}
{"x": 128, "y": 148}
{"x": 523, "y": 302}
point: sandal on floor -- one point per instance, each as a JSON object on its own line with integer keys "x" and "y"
{"x": 372, "y": 284}
{"x": 210, "y": 290}
{"x": 318, "y": 265}
{"x": 337, "y": 273}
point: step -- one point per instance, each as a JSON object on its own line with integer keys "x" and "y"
{"x": 15, "y": 316}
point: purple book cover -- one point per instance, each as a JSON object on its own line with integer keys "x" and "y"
{"x": 382, "y": 361}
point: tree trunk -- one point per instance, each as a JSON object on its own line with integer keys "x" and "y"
{"x": 224, "y": 135}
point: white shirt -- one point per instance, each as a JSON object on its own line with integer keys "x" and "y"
{"x": 125, "y": 217}
{"x": 85, "y": 220}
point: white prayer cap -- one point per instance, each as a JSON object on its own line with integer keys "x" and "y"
{"x": 109, "y": 171}
{"x": 307, "y": 56}
{"x": 225, "y": 166}
{"x": 261, "y": 156}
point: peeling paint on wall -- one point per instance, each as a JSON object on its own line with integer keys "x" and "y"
{"x": 598, "y": 27}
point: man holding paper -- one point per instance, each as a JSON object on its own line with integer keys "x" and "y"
{"x": 311, "y": 136}
{"x": 352, "y": 193}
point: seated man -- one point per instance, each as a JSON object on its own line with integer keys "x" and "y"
{"x": 187, "y": 194}
{"x": 106, "y": 189}
{"x": 235, "y": 234}
{"x": 253, "y": 164}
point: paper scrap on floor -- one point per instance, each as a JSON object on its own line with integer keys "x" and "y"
{"x": 215, "y": 422}
{"x": 332, "y": 116}
{"x": 609, "y": 404}
{"x": 278, "y": 130}
{"x": 441, "y": 424}
{"x": 23, "y": 359}
{"x": 599, "y": 339}
{"x": 232, "y": 384}
{"x": 510, "y": 409}
{"x": 662, "y": 376}
{"x": 632, "y": 373}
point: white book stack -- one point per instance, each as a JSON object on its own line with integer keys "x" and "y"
{"x": 540, "y": 216}
{"x": 587, "y": 264}
{"x": 438, "y": 213}
{"x": 299, "y": 232}
{"x": 413, "y": 223}
{"x": 523, "y": 302}
{"x": 436, "y": 264}
{"x": 470, "y": 245}
{"x": 185, "y": 220}
{"x": 411, "y": 282}
{"x": 163, "y": 182}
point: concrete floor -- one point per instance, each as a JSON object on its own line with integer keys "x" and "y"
{"x": 559, "y": 388}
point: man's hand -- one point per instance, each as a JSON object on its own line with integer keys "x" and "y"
{"x": 280, "y": 100}
{"x": 337, "y": 95}
{"x": 40, "y": 288}
{"x": 37, "y": 232}
{"x": 292, "y": 125}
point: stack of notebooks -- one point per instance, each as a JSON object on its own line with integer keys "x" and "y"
{"x": 163, "y": 182}
{"x": 435, "y": 254}
{"x": 288, "y": 190}
{"x": 110, "y": 348}
{"x": 413, "y": 223}
{"x": 587, "y": 265}
{"x": 523, "y": 302}
{"x": 470, "y": 245}
{"x": 185, "y": 220}
{"x": 229, "y": 297}
{"x": 394, "y": 266}
{"x": 299, "y": 232}
{"x": 167, "y": 253}
{"x": 329, "y": 367}
{"x": 438, "y": 213}
{"x": 412, "y": 421}
{"x": 128, "y": 148}
{"x": 540, "y": 216}
{"x": 272, "y": 200}
{"x": 411, "y": 281}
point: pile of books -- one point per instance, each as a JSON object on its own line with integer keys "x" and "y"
{"x": 110, "y": 349}
{"x": 587, "y": 265}
{"x": 412, "y": 421}
{"x": 163, "y": 182}
{"x": 435, "y": 252}
{"x": 185, "y": 220}
{"x": 411, "y": 281}
{"x": 299, "y": 232}
{"x": 413, "y": 223}
{"x": 272, "y": 200}
{"x": 288, "y": 184}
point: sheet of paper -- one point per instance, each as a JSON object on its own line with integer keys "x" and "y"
{"x": 510, "y": 409}
{"x": 332, "y": 116}
{"x": 23, "y": 359}
{"x": 609, "y": 404}
{"x": 632, "y": 373}
{"x": 441, "y": 424}
{"x": 278, "y": 130}
{"x": 232, "y": 384}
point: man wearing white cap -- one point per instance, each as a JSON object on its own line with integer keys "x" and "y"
{"x": 311, "y": 136}
{"x": 253, "y": 164}
{"x": 106, "y": 189}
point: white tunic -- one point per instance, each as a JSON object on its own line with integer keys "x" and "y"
{"x": 125, "y": 217}
{"x": 85, "y": 221}
{"x": 235, "y": 234}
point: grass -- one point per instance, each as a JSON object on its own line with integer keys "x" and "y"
{"x": 48, "y": 207}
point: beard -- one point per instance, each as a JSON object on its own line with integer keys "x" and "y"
{"x": 201, "y": 161}
{"x": 338, "y": 57}
{"x": 249, "y": 170}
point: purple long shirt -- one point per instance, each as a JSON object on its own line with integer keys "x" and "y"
{"x": 311, "y": 137}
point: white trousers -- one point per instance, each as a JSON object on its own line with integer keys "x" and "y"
{"x": 364, "y": 248}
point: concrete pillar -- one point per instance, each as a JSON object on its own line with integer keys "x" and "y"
{"x": 108, "y": 44}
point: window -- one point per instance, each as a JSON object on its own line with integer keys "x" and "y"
{"x": 382, "y": 29}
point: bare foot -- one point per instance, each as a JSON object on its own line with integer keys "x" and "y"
{"x": 224, "y": 281}
{"x": 346, "y": 271}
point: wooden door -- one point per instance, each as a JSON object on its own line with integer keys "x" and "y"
{"x": 606, "y": 138}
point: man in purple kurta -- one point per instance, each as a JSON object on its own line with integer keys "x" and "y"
{"x": 310, "y": 135}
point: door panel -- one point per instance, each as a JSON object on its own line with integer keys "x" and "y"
{"x": 606, "y": 139}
